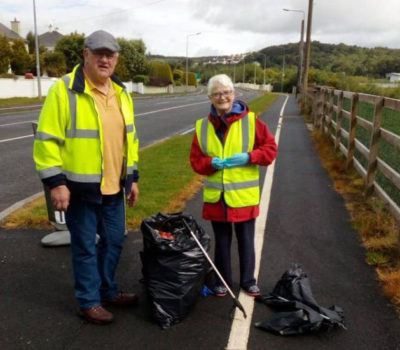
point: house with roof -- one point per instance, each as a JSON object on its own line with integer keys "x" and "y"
{"x": 13, "y": 33}
{"x": 393, "y": 77}
{"x": 50, "y": 39}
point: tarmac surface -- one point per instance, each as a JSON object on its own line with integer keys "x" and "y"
{"x": 307, "y": 224}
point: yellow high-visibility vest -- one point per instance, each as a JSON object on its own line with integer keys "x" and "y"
{"x": 240, "y": 185}
{"x": 69, "y": 138}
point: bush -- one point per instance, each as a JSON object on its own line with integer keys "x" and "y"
{"x": 140, "y": 78}
{"x": 161, "y": 71}
{"x": 192, "y": 79}
{"x": 8, "y": 76}
{"x": 178, "y": 75}
{"x": 156, "y": 81}
{"x": 177, "y": 83}
{"x": 54, "y": 63}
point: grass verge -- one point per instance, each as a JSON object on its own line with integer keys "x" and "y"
{"x": 167, "y": 181}
{"x": 20, "y": 101}
{"x": 378, "y": 230}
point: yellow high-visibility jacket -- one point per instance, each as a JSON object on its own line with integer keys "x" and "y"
{"x": 240, "y": 185}
{"x": 68, "y": 146}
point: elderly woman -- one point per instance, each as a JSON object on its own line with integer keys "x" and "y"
{"x": 228, "y": 146}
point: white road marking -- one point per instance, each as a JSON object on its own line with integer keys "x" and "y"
{"x": 240, "y": 329}
{"x": 29, "y": 121}
{"x": 170, "y": 108}
{"x": 16, "y": 138}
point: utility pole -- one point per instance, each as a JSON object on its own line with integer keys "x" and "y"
{"x": 37, "y": 53}
{"x": 307, "y": 55}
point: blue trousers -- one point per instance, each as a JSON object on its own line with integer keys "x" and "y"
{"x": 223, "y": 232}
{"x": 94, "y": 269}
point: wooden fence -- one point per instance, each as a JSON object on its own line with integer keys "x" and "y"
{"x": 366, "y": 129}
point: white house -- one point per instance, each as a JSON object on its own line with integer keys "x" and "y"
{"x": 394, "y": 77}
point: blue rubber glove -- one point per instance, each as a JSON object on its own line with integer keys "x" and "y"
{"x": 217, "y": 163}
{"x": 237, "y": 159}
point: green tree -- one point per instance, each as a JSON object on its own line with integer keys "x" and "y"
{"x": 71, "y": 46}
{"x": 20, "y": 60}
{"x": 30, "y": 37}
{"x": 54, "y": 64}
{"x": 121, "y": 69}
{"x": 5, "y": 54}
{"x": 133, "y": 53}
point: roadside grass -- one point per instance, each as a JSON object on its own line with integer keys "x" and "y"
{"x": 19, "y": 101}
{"x": 378, "y": 230}
{"x": 166, "y": 181}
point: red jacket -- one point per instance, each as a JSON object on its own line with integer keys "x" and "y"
{"x": 263, "y": 153}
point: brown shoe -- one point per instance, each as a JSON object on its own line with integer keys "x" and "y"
{"x": 122, "y": 299}
{"x": 96, "y": 314}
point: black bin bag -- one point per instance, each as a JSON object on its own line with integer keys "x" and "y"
{"x": 174, "y": 267}
{"x": 299, "y": 311}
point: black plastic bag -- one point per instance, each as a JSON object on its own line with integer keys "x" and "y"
{"x": 174, "y": 267}
{"x": 301, "y": 312}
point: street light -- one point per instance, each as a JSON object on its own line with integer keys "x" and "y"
{"x": 265, "y": 62}
{"x": 301, "y": 48}
{"x": 187, "y": 58}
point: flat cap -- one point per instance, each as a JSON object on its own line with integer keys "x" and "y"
{"x": 100, "y": 39}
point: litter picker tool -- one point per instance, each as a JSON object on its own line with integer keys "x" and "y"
{"x": 235, "y": 300}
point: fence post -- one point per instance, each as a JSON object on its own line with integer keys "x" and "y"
{"x": 352, "y": 131}
{"x": 330, "y": 110}
{"x": 373, "y": 150}
{"x": 314, "y": 101}
{"x": 339, "y": 120}
{"x": 323, "y": 109}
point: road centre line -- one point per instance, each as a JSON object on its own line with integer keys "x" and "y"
{"x": 26, "y": 122}
{"x": 16, "y": 138}
{"x": 170, "y": 108}
{"x": 240, "y": 329}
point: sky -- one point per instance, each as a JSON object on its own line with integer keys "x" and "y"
{"x": 226, "y": 27}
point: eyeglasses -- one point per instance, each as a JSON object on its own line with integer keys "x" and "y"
{"x": 107, "y": 54}
{"x": 224, "y": 93}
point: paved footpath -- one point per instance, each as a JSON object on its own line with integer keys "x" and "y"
{"x": 307, "y": 224}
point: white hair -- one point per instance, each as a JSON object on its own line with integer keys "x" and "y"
{"x": 221, "y": 79}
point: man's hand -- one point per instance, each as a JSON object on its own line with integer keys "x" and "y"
{"x": 60, "y": 197}
{"x": 134, "y": 195}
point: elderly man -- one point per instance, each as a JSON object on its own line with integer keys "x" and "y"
{"x": 86, "y": 151}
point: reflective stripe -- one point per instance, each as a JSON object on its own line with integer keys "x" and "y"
{"x": 216, "y": 185}
{"x": 231, "y": 186}
{"x": 241, "y": 185}
{"x": 45, "y": 173}
{"x": 72, "y": 105}
{"x": 83, "y": 134}
{"x": 245, "y": 133}
{"x": 131, "y": 169}
{"x": 204, "y": 135}
{"x": 129, "y": 128}
{"x": 43, "y": 136}
{"x": 82, "y": 177}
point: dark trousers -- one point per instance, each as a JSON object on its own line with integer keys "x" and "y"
{"x": 245, "y": 237}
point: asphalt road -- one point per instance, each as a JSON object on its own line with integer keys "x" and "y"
{"x": 307, "y": 223}
{"x": 156, "y": 118}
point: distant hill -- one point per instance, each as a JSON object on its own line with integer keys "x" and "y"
{"x": 339, "y": 58}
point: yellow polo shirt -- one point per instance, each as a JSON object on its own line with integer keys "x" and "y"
{"x": 113, "y": 137}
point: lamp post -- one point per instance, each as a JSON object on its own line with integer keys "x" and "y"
{"x": 307, "y": 56}
{"x": 37, "y": 53}
{"x": 283, "y": 69}
{"x": 244, "y": 70}
{"x": 265, "y": 62}
{"x": 301, "y": 49}
{"x": 187, "y": 56}
{"x": 255, "y": 77}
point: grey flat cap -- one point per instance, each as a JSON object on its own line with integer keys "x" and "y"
{"x": 100, "y": 39}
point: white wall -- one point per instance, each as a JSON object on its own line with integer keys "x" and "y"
{"x": 21, "y": 87}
